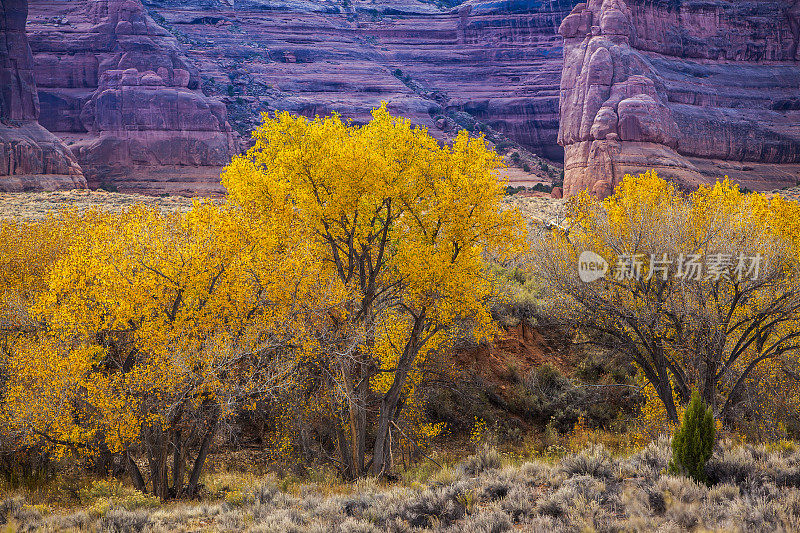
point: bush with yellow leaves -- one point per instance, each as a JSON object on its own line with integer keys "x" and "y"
{"x": 403, "y": 226}
{"x": 345, "y": 260}
{"x": 151, "y": 330}
{"x": 702, "y": 292}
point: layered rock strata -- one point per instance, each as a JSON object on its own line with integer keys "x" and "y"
{"x": 696, "y": 90}
{"x": 31, "y": 158}
{"x": 494, "y": 64}
{"x": 119, "y": 88}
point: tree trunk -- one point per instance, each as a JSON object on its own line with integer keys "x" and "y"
{"x": 708, "y": 394}
{"x": 381, "y": 458}
{"x": 664, "y": 390}
{"x": 362, "y": 392}
{"x": 157, "y": 458}
{"x": 177, "y": 464}
{"x": 657, "y": 374}
{"x": 194, "y": 478}
{"x": 345, "y": 455}
{"x": 135, "y": 473}
{"x": 664, "y": 387}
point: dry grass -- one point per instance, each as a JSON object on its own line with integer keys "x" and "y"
{"x": 539, "y": 209}
{"x": 36, "y": 205}
{"x": 33, "y": 206}
{"x": 754, "y": 488}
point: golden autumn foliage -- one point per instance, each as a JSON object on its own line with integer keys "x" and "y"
{"x": 151, "y": 330}
{"x": 702, "y": 292}
{"x": 344, "y": 260}
{"x": 403, "y": 226}
{"x": 28, "y": 250}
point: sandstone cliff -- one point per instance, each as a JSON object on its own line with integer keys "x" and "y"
{"x": 694, "y": 89}
{"x": 31, "y": 158}
{"x": 119, "y": 88}
{"x": 483, "y": 65}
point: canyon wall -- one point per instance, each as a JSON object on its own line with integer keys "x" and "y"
{"x": 484, "y": 65}
{"x": 120, "y": 90}
{"x": 695, "y": 89}
{"x": 155, "y": 96}
{"x": 31, "y": 158}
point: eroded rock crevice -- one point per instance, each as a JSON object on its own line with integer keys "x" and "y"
{"x": 31, "y": 158}
{"x": 638, "y": 91}
{"x": 120, "y": 89}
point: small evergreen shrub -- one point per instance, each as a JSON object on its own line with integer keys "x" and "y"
{"x": 693, "y": 441}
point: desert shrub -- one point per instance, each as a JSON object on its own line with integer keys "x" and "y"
{"x": 123, "y": 521}
{"x": 277, "y": 524}
{"x": 521, "y": 296}
{"x": 757, "y": 514}
{"x": 487, "y": 522}
{"x": 112, "y": 493}
{"x": 9, "y": 506}
{"x": 77, "y": 521}
{"x": 546, "y": 396}
{"x": 735, "y": 465}
{"x": 683, "y": 489}
{"x": 595, "y": 461}
{"x": 518, "y": 504}
{"x": 754, "y": 467}
{"x": 535, "y": 496}
{"x": 650, "y": 461}
{"x": 546, "y": 380}
{"x": 27, "y": 518}
{"x": 495, "y": 490}
{"x": 582, "y": 487}
{"x": 441, "y": 506}
{"x": 649, "y": 307}
{"x": 693, "y": 442}
{"x": 552, "y": 505}
{"x": 487, "y": 458}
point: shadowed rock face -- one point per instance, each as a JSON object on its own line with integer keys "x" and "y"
{"x": 119, "y": 88}
{"x": 31, "y": 158}
{"x": 497, "y": 61}
{"x": 696, "y": 90}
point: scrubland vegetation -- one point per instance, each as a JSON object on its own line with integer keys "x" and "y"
{"x": 754, "y": 489}
{"x": 285, "y": 359}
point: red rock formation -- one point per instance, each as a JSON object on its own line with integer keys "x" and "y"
{"x": 498, "y": 61}
{"x": 31, "y": 158}
{"x": 119, "y": 87}
{"x": 694, "y": 90}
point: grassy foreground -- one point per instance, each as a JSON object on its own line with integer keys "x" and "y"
{"x": 37, "y": 205}
{"x": 753, "y": 488}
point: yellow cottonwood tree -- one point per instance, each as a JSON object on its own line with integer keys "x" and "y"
{"x": 703, "y": 290}
{"x": 156, "y": 328}
{"x": 28, "y": 250}
{"x": 403, "y": 225}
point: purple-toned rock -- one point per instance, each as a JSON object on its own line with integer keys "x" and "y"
{"x": 180, "y": 77}
{"x": 31, "y": 158}
{"x": 694, "y": 89}
{"x": 141, "y": 123}
{"x": 129, "y": 76}
{"x": 18, "y": 99}
{"x": 151, "y": 79}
